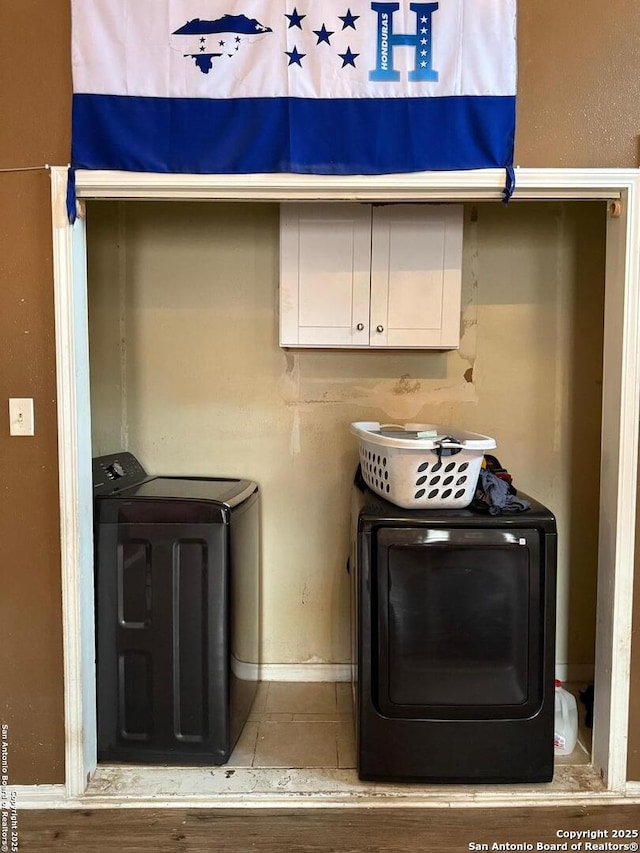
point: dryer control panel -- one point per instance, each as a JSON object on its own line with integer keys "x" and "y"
{"x": 116, "y": 472}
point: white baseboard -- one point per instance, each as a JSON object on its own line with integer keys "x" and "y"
{"x": 575, "y": 672}
{"x": 572, "y": 672}
{"x": 38, "y": 796}
{"x": 291, "y": 671}
{"x": 305, "y": 672}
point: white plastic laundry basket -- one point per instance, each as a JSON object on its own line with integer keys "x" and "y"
{"x": 421, "y": 466}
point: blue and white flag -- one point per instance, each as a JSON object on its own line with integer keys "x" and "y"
{"x": 330, "y": 87}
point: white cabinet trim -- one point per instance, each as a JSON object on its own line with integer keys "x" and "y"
{"x": 619, "y": 436}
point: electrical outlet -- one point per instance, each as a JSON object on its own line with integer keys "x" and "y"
{"x": 21, "y": 420}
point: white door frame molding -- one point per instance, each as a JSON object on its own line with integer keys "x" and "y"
{"x": 621, "y": 406}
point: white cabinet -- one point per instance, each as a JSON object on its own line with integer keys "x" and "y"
{"x": 359, "y": 275}
{"x": 325, "y": 274}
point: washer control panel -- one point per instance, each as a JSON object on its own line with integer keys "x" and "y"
{"x": 115, "y": 472}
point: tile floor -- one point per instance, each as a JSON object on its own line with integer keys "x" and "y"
{"x": 310, "y": 725}
{"x": 298, "y": 747}
{"x": 298, "y": 726}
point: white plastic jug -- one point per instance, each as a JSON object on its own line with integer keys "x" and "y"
{"x": 565, "y": 732}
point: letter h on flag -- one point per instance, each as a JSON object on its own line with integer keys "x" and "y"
{"x": 420, "y": 40}
{"x": 341, "y": 87}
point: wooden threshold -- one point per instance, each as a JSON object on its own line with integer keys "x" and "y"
{"x": 392, "y": 830}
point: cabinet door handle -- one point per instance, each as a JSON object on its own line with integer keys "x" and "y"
{"x": 379, "y": 328}
{"x": 360, "y": 327}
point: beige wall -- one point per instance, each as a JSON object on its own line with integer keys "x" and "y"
{"x": 207, "y": 390}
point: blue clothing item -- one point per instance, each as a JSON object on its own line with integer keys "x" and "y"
{"x": 499, "y": 495}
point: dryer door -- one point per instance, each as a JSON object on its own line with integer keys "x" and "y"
{"x": 460, "y": 623}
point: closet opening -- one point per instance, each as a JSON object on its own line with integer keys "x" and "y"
{"x": 183, "y": 368}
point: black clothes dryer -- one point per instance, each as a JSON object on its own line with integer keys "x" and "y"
{"x": 177, "y": 621}
{"x": 453, "y": 635}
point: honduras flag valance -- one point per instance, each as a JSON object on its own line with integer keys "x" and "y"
{"x": 330, "y": 87}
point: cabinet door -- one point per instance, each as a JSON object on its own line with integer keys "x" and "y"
{"x": 324, "y": 274}
{"x": 416, "y": 269}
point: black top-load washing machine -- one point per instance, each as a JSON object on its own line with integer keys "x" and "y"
{"x": 177, "y": 612}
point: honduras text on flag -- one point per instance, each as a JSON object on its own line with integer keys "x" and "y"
{"x": 337, "y": 87}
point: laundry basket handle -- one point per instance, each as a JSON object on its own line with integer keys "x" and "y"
{"x": 447, "y": 446}
{"x": 449, "y": 441}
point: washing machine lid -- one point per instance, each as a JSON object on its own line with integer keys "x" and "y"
{"x": 229, "y": 492}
